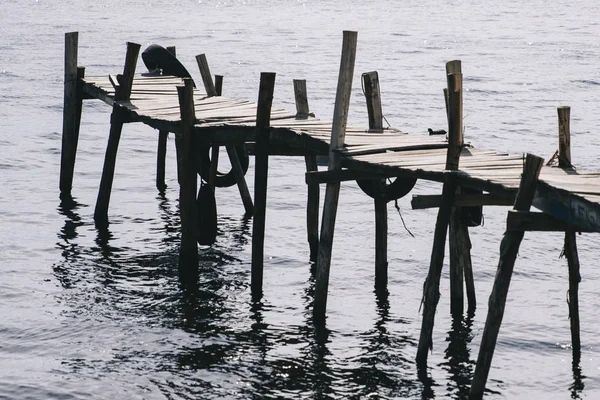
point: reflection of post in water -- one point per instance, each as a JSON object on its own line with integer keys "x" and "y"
{"x": 318, "y": 374}
{"x": 577, "y": 387}
{"x": 70, "y": 250}
{"x": 458, "y": 362}
{"x": 170, "y": 220}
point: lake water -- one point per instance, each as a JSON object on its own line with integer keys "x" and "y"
{"x": 88, "y": 314}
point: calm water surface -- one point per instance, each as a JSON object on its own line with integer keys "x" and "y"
{"x": 88, "y": 314}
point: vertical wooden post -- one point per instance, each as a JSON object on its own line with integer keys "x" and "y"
{"x": 312, "y": 204}
{"x": 161, "y": 153}
{"x": 219, "y": 84}
{"x": 431, "y": 289}
{"x": 122, "y": 92}
{"x": 508, "y": 254}
{"x": 564, "y": 161}
{"x": 374, "y": 110}
{"x": 332, "y": 192}
{"x": 206, "y": 76}
{"x": 263, "y": 122}
{"x": 188, "y": 251}
{"x": 71, "y": 114}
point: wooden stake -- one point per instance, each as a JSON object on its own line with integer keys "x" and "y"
{"x": 118, "y": 117}
{"x": 219, "y": 84}
{"x": 188, "y": 251}
{"x": 564, "y": 161}
{"x": 312, "y": 204}
{"x": 508, "y": 254}
{"x": 431, "y": 289}
{"x": 263, "y": 122}
{"x": 161, "y": 153}
{"x": 206, "y": 76}
{"x": 71, "y": 115}
{"x": 374, "y": 110}
{"x": 332, "y": 192}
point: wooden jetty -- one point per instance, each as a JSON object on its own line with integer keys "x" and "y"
{"x": 385, "y": 162}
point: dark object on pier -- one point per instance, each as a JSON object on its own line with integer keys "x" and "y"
{"x": 223, "y": 180}
{"x": 379, "y": 190}
{"x": 438, "y": 132}
{"x": 157, "y": 57}
{"x": 207, "y": 214}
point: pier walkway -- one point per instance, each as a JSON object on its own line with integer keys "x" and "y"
{"x": 385, "y": 162}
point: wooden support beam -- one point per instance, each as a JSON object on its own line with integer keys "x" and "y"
{"x": 570, "y": 249}
{"x": 374, "y": 110}
{"x": 341, "y": 175}
{"x": 539, "y": 222}
{"x": 238, "y": 172}
{"x": 460, "y": 242}
{"x": 209, "y": 86}
{"x": 332, "y": 192}
{"x": 118, "y": 118}
{"x": 219, "y": 84}
{"x": 263, "y": 118}
{"x": 73, "y": 96}
{"x": 161, "y": 153}
{"x": 420, "y": 202}
{"x": 312, "y": 202}
{"x": 432, "y": 283}
{"x": 188, "y": 251}
{"x": 509, "y": 249}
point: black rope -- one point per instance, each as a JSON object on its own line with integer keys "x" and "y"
{"x": 402, "y": 218}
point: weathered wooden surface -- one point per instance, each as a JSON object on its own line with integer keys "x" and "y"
{"x": 332, "y": 191}
{"x": 263, "y": 113}
{"x": 509, "y": 249}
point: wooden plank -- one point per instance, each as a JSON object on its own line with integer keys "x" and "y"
{"x": 540, "y": 222}
{"x": 419, "y": 202}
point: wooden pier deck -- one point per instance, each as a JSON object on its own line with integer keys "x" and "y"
{"x": 389, "y": 153}
{"x": 568, "y": 197}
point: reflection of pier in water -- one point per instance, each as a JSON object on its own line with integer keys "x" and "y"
{"x": 569, "y": 198}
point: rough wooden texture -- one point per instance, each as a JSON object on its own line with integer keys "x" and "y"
{"x": 420, "y": 202}
{"x": 374, "y": 110}
{"x": 509, "y": 249}
{"x": 118, "y": 118}
{"x": 263, "y": 115}
{"x": 209, "y": 86}
{"x": 301, "y": 97}
{"x": 431, "y": 292}
{"x": 570, "y": 251}
{"x": 219, "y": 84}
{"x": 332, "y": 192}
{"x": 312, "y": 210}
{"x": 161, "y": 153}
{"x": 539, "y": 222}
{"x": 70, "y": 130}
{"x": 188, "y": 251}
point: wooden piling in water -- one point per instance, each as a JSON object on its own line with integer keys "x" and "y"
{"x": 431, "y": 289}
{"x": 508, "y": 254}
{"x": 263, "y": 122}
{"x": 338, "y": 134}
{"x": 72, "y": 103}
{"x": 188, "y": 251}
{"x": 312, "y": 204}
{"x": 118, "y": 118}
{"x": 161, "y": 153}
{"x": 219, "y": 84}
{"x": 374, "y": 110}
{"x": 570, "y": 249}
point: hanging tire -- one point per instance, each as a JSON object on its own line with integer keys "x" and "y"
{"x": 223, "y": 179}
{"x": 377, "y": 189}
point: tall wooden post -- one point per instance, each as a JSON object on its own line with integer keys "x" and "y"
{"x": 117, "y": 119}
{"x": 72, "y": 103}
{"x": 219, "y": 84}
{"x": 188, "y": 251}
{"x": 375, "y": 113}
{"x": 431, "y": 294}
{"x": 312, "y": 204}
{"x": 332, "y": 192}
{"x": 263, "y": 122}
{"x": 509, "y": 249}
{"x": 161, "y": 153}
{"x": 564, "y": 161}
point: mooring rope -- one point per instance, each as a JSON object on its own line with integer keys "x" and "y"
{"x": 402, "y": 218}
